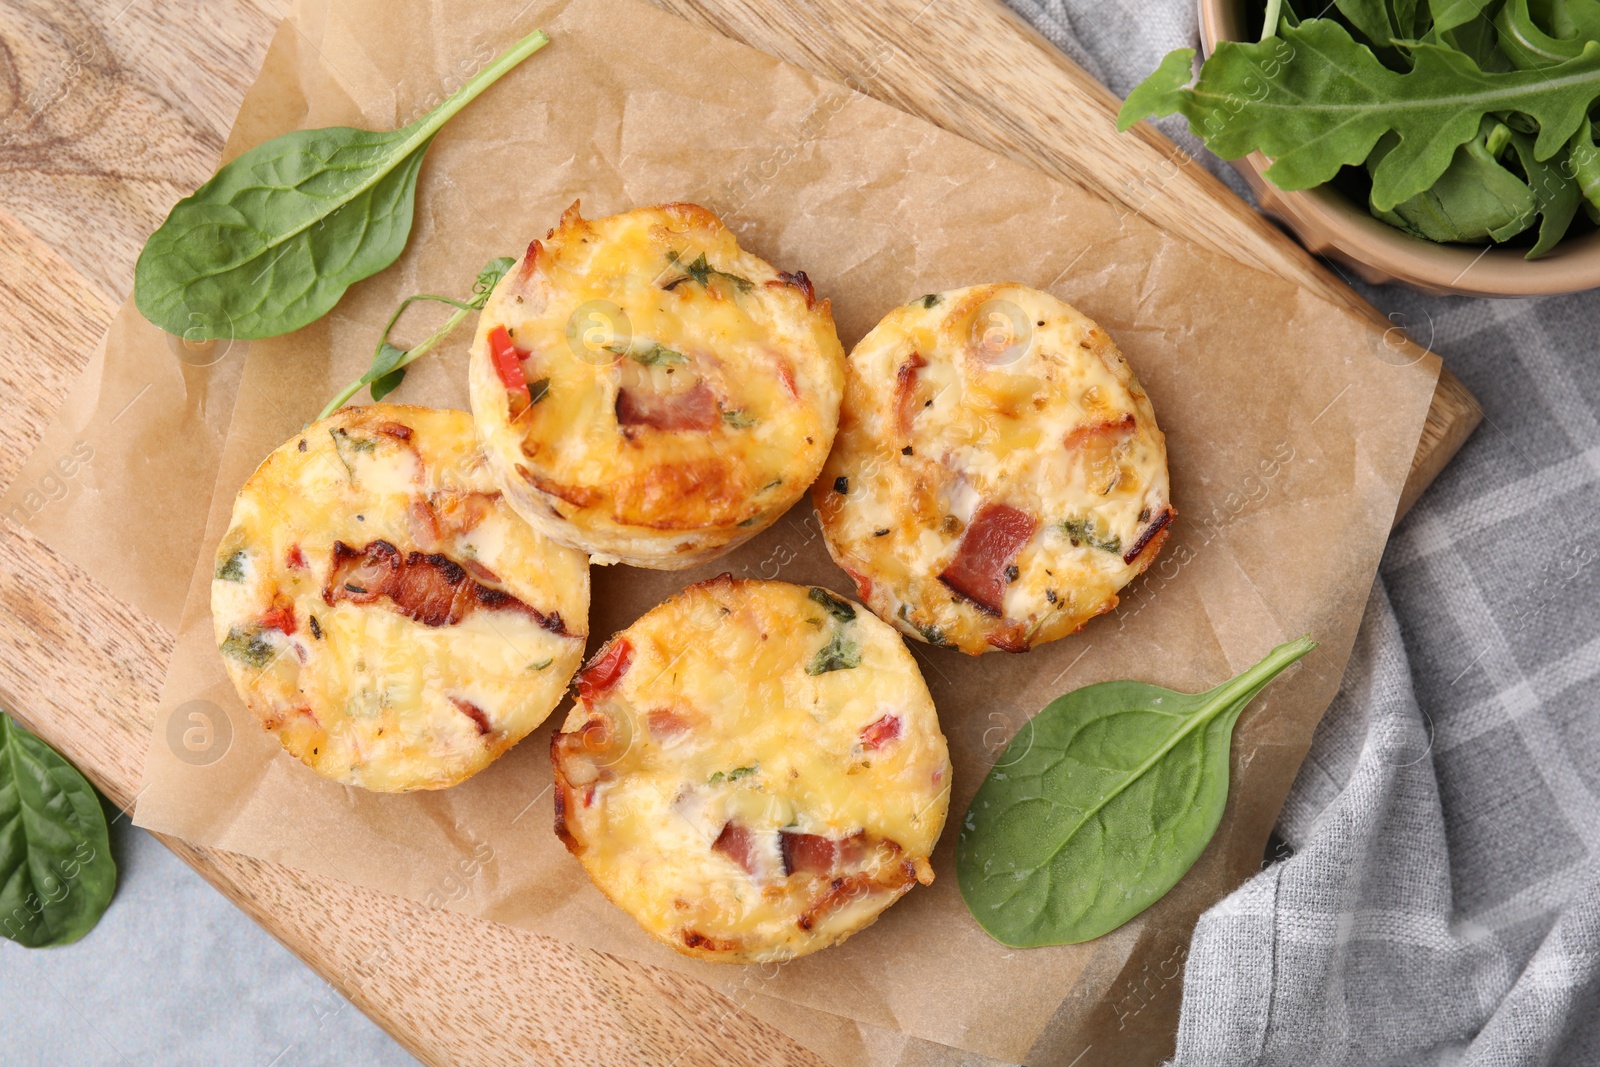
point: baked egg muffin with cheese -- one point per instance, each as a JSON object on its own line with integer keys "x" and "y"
{"x": 998, "y": 474}
{"x": 753, "y": 770}
{"x": 649, "y": 392}
{"x": 383, "y": 611}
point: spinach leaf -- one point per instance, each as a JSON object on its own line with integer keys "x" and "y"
{"x": 56, "y": 870}
{"x": 702, "y": 272}
{"x": 272, "y": 241}
{"x": 389, "y": 362}
{"x": 838, "y": 607}
{"x": 248, "y": 647}
{"x": 1315, "y": 101}
{"x": 654, "y": 354}
{"x": 1100, "y": 804}
{"x": 232, "y": 568}
{"x": 839, "y": 654}
{"x": 1086, "y": 531}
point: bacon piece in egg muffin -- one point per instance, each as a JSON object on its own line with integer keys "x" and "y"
{"x": 649, "y": 392}
{"x": 383, "y": 611}
{"x": 998, "y": 475}
{"x": 753, "y": 770}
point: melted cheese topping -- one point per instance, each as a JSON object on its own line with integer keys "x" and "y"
{"x": 759, "y": 715}
{"x": 683, "y": 393}
{"x": 362, "y": 692}
{"x": 994, "y": 395}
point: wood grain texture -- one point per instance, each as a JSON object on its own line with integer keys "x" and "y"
{"x": 113, "y": 110}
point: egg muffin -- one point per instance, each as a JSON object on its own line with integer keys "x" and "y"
{"x": 998, "y": 474}
{"x": 383, "y": 611}
{"x": 650, "y": 393}
{"x": 753, "y": 770}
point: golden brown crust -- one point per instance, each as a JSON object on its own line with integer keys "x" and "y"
{"x": 998, "y": 474}
{"x": 649, "y": 392}
{"x": 753, "y": 770}
{"x": 383, "y": 611}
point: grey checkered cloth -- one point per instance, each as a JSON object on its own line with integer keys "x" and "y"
{"x": 1442, "y": 901}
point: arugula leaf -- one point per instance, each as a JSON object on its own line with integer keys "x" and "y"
{"x": 56, "y": 871}
{"x": 1555, "y": 192}
{"x": 1529, "y": 47}
{"x": 1371, "y": 17}
{"x": 389, "y": 362}
{"x": 1586, "y": 166}
{"x": 272, "y": 241}
{"x": 1162, "y": 93}
{"x": 1481, "y": 41}
{"x": 1100, "y": 804}
{"x": 1448, "y": 14}
{"x": 1474, "y": 198}
{"x": 1316, "y": 101}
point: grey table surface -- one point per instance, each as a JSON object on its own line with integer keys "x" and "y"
{"x": 175, "y": 974}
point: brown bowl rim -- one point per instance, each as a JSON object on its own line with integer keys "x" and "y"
{"x": 1330, "y": 224}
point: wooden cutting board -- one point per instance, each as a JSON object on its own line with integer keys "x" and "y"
{"x": 113, "y": 110}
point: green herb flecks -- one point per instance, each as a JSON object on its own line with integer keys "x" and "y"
{"x": 248, "y": 647}
{"x": 737, "y": 418}
{"x": 1086, "y": 532}
{"x": 56, "y": 871}
{"x": 232, "y": 568}
{"x": 839, "y": 654}
{"x": 1100, "y": 805}
{"x": 731, "y": 776}
{"x": 541, "y": 664}
{"x": 702, "y": 272}
{"x": 838, "y": 607}
{"x": 273, "y": 240}
{"x": 389, "y": 361}
{"x": 929, "y": 632}
{"x": 654, "y": 354}
{"x": 347, "y": 448}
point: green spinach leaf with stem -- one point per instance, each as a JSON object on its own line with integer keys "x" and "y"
{"x": 389, "y": 361}
{"x": 273, "y": 240}
{"x": 56, "y": 871}
{"x": 1100, "y": 804}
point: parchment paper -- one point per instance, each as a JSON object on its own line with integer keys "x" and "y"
{"x": 1291, "y": 426}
